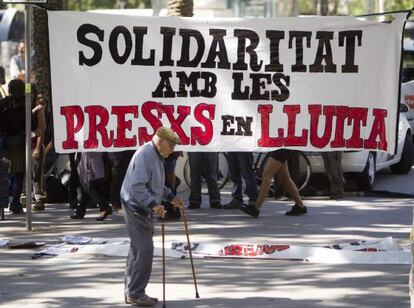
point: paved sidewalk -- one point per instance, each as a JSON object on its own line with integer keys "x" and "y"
{"x": 97, "y": 281}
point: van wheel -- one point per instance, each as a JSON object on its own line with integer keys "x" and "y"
{"x": 366, "y": 179}
{"x": 407, "y": 157}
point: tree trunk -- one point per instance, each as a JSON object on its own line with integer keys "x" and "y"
{"x": 41, "y": 65}
{"x": 180, "y": 8}
{"x": 324, "y": 7}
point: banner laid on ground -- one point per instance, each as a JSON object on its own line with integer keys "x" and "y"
{"x": 315, "y": 83}
{"x": 380, "y": 251}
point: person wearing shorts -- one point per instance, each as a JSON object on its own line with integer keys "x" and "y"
{"x": 277, "y": 165}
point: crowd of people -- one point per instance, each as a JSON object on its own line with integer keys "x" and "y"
{"x": 96, "y": 178}
{"x": 140, "y": 183}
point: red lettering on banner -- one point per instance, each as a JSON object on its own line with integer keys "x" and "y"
{"x": 153, "y": 120}
{"x": 233, "y": 250}
{"x": 378, "y": 129}
{"x": 199, "y": 135}
{"x": 315, "y": 112}
{"x": 341, "y": 115}
{"x": 183, "y": 112}
{"x": 71, "y": 113}
{"x": 291, "y": 139}
{"x": 123, "y": 125}
{"x": 265, "y": 140}
{"x": 269, "y": 249}
{"x": 320, "y": 118}
{"x": 356, "y": 118}
{"x": 96, "y": 126}
{"x": 370, "y": 249}
{"x": 249, "y": 250}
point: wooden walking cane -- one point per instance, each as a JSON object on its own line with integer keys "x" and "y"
{"x": 163, "y": 262}
{"x": 189, "y": 250}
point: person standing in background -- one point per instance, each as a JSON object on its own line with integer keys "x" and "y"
{"x": 12, "y": 123}
{"x": 241, "y": 167}
{"x": 119, "y": 162}
{"x": 333, "y": 168}
{"x": 38, "y": 135}
{"x": 204, "y": 164}
{"x": 17, "y": 65}
{"x": 90, "y": 167}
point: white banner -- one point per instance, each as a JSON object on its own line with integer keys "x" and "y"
{"x": 380, "y": 251}
{"x": 315, "y": 83}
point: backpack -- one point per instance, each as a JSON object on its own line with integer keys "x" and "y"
{"x": 56, "y": 187}
{"x": 13, "y": 116}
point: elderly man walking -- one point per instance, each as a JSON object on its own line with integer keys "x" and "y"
{"x": 141, "y": 195}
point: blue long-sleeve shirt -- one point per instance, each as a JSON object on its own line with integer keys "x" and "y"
{"x": 143, "y": 185}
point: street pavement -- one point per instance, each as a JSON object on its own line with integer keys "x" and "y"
{"x": 97, "y": 281}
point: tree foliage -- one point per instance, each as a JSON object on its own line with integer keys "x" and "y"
{"x": 86, "y": 5}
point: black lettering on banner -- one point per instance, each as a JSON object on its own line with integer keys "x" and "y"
{"x": 243, "y": 35}
{"x": 164, "y": 84}
{"x": 259, "y": 82}
{"x": 227, "y": 121}
{"x": 237, "y": 82}
{"x": 221, "y": 53}
{"x": 187, "y": 34}
{"x": 245, "y": 125}
{"x": 210, "y": 81}
{"x": 113, "y": 44}
{"x": 349, "y": 38}
{"x": 274, "y": 37}
{"x": 167, "y": 34}
{"x": 83, "y": 30}
{"x": 139, "y": 46}
{"x": 284, "y": 90}
{"x": 324, "y": 38}
{"x": 186, "y": 81}
{"x": 299, "y": 36}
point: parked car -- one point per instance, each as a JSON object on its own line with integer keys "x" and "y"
{"x": 363, "y": 165}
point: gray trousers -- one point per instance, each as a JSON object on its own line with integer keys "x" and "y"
{"x": 333, "y": 168}
{"x": 141, "y": 251}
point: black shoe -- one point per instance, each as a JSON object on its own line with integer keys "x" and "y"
{"x": 104, "y": 214}
{"x": 297, "y": 210}
{"x": 77, "y": 215}
{"x": 16, "y": 209}
{"x": 216, "y": 205}
{"x": 337, "y": 196}
{"x": 233, "y": 204}
{"x": 193, "y": 206}
{"x": 38, "y": 206}
{"x": 250, "y": 210}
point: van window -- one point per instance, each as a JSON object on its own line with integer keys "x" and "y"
{"x": 408, "y": 65}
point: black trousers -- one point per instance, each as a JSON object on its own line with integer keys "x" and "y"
{"x": 92, "y": 191}
{"x": 119, "y": 162}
